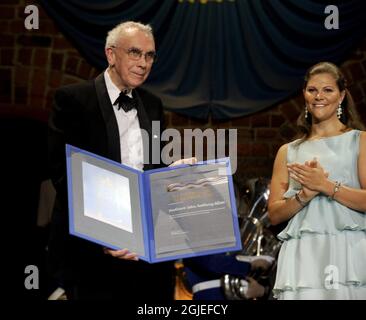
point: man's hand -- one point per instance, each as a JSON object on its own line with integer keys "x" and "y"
{"x": 189, "y": 161}
{"x": 259, "y": 263}
{"x": 255, "y": 290}
{"x": 123, "y": 254}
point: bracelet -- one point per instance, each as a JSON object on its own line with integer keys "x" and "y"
{"x": 302, "y": 202}
{"x": 335, "y": 190}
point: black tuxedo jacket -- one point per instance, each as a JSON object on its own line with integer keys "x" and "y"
{"x": 83, "y": 116}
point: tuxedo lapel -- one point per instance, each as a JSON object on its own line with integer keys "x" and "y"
{"x": 142, "y": 115}
{"x": 106, "y": 107}
{"x": 145, "y": 123}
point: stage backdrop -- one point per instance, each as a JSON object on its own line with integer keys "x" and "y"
{"x": 227, "y": 57}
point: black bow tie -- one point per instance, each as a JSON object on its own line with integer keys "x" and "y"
{"x": 125, "y": 102}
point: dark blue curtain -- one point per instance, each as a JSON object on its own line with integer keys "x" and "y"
{"x": 228, "y": 57}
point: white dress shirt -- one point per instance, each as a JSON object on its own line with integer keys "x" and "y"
{"x": 129, "y": 129}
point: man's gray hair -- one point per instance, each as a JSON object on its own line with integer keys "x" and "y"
{"x": 117, "y": 32}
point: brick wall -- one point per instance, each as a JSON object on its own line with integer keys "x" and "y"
{"x": 34, "y": 63}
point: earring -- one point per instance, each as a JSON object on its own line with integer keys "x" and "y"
{"x": 339, "y": 111}
{"x": 306, "y": 112}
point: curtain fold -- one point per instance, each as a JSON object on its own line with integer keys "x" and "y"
{"x": 229, "y": 58}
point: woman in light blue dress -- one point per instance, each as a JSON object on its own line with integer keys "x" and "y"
{"x": 319, "y": 185}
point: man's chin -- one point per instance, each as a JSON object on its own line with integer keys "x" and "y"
{"x": 135, "y": 84}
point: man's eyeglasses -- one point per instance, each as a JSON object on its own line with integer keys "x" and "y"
{"x": 136, "y": 54}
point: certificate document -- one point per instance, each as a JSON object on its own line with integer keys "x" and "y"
{"x": 162, "y": 214}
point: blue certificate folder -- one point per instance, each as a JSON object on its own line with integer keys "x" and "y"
{"x": 161, "y": 214}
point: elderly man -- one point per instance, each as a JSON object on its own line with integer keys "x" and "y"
{"x": 104, "y": 116}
